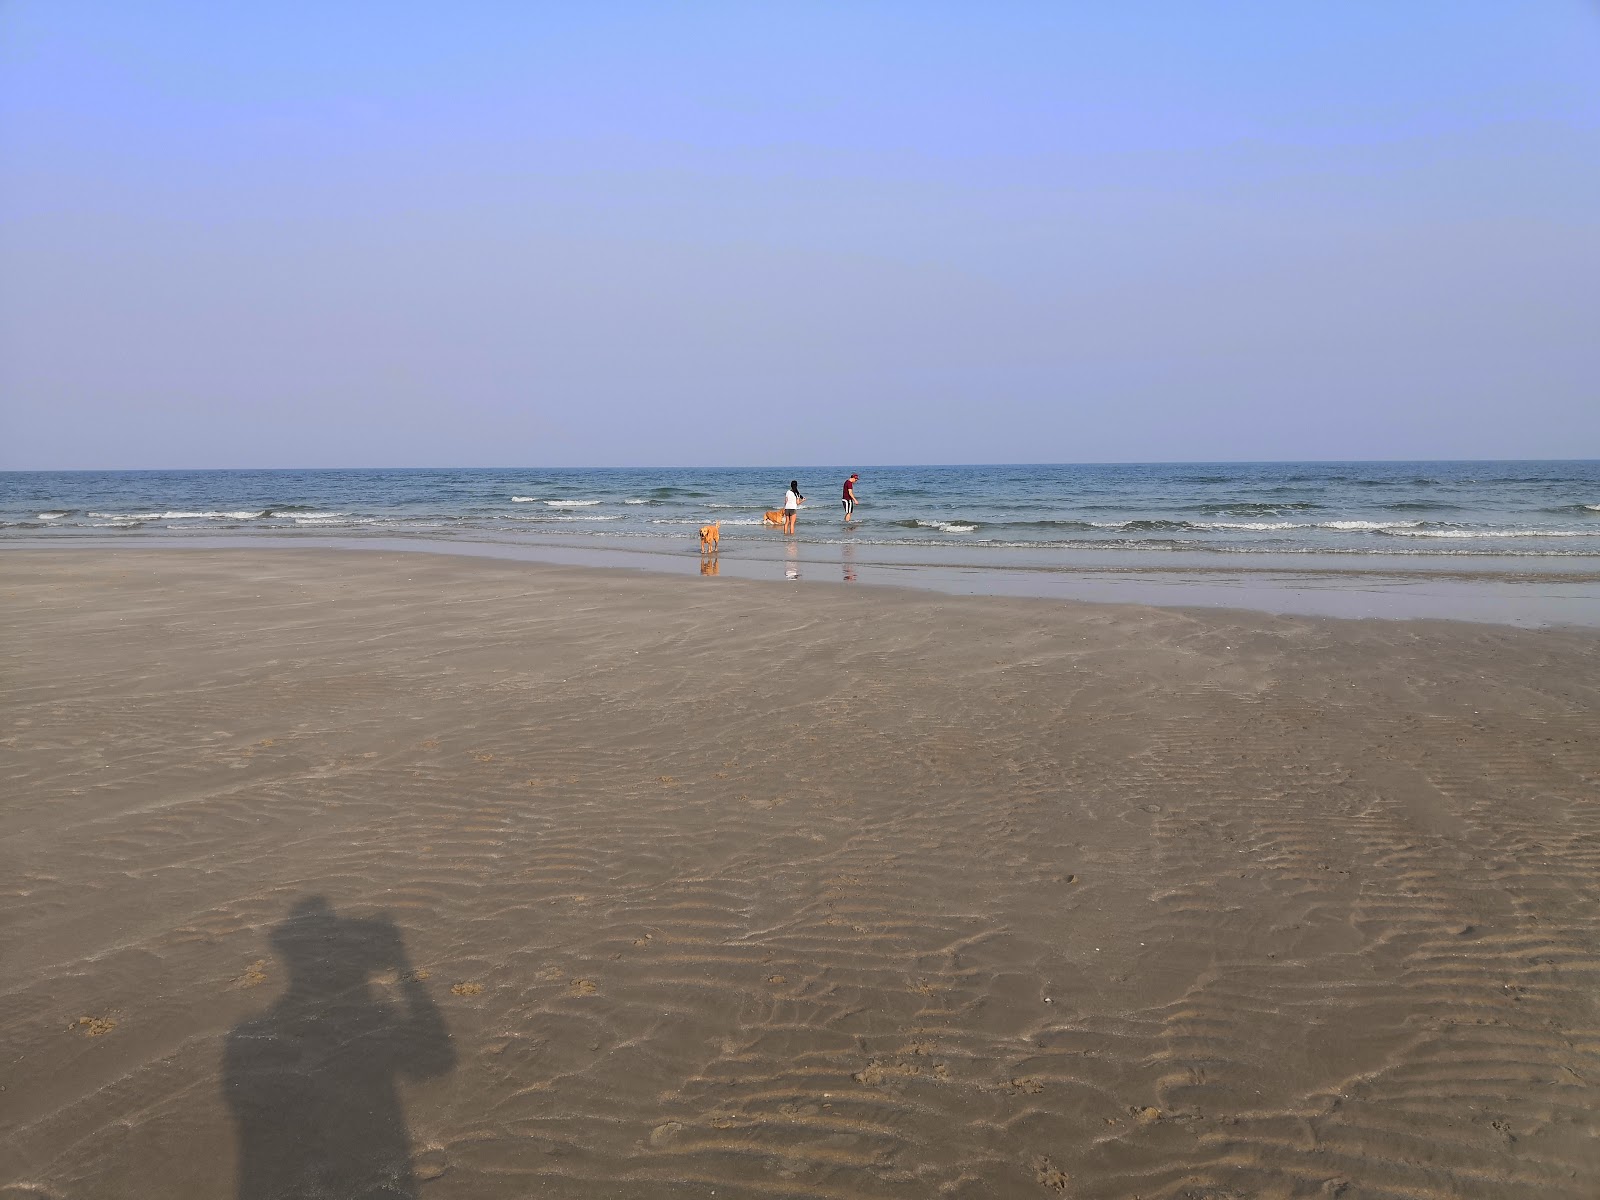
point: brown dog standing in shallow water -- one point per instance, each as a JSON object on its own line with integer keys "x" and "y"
{"x": 710, "y": 536}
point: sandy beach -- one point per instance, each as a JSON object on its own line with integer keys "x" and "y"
{"x": 337, "y": 873}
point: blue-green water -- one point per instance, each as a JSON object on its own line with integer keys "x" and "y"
{"x": 1504, "y": 509}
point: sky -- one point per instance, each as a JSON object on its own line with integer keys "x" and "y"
{"x": 556, "y": 234}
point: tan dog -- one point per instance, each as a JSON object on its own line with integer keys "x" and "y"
{"x": 773, "y": 516}
{"x": 710, "y": 536}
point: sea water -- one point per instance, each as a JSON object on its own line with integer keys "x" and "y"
{"x": 1004, "y": 514}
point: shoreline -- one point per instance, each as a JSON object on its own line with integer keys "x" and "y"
{"x": 1503, "y": 590}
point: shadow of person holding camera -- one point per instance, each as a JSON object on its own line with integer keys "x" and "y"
{"x": 313, "y": 1081}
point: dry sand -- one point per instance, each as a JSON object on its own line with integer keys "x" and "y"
{"x": 393, "y": 875}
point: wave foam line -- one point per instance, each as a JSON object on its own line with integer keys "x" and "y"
{"x": 547, "y": 518}
{"x": 182, "y": 516}
{"x": 1489, "y": 533}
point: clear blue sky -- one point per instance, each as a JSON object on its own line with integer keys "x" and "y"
{"x": 307, "y": 234}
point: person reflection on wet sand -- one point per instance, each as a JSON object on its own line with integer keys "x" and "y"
{"x": 312, "y": 1081}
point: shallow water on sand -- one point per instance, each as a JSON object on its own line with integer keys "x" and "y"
{"x": 1564, "y": 591}
{"x": 1509, "y": 542}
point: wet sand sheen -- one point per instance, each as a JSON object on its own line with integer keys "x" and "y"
{"x": 488, "y": 879}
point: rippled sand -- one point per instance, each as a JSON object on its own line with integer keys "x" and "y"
{"x": 410, "y": 875}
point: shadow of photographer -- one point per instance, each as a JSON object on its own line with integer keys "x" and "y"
{"x": 313, "y": 1081}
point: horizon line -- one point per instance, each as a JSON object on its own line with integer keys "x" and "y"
{"x": 1173, "y": 462}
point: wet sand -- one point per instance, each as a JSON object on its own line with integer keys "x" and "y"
{"x": 471, "y": 878}
{"x": 1528, "y": 591}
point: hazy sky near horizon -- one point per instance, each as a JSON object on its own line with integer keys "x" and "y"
{"x": 347, "y": 234}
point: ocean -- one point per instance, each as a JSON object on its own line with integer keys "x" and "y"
{"x": 1524, "y": 510}
{"x": 1509, "y": 542}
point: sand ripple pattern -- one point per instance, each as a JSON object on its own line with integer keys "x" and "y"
{"x": 867, "y": 895}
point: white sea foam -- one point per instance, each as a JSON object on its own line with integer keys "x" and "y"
{"x": 179, "y": 516}
{"x": 1256, "y": 525}
{"x": 1593, "y": 507}
{"x": 1490, "y": 533}
{"x": 546, "y": 518}
{"x": 636, "y": 502}
{"x": 571, "y": 503}
{"x": 1367, "y": 526}
{"x": 524, "y": 499}
{"x": 947, "y": 526}
{"x": 1341, "y": 526}
{"x": 51, "y": 516}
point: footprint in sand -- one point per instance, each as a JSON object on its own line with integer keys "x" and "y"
{"x": 95, "y": 1026}
{"x": 1049, "y": 1175}
{"x": 876, "y": 1074}
{"x": 430, "y": 1164}
{"x": 467, "y": 989}
{"x": 662, "y": 1134}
